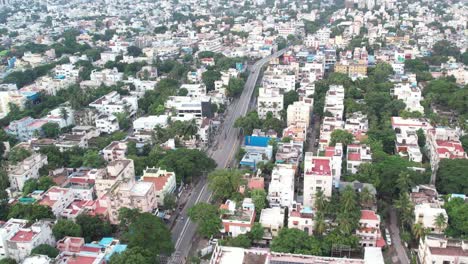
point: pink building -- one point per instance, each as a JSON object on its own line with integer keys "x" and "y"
{"x": 301, "y": 218}
{"x": 444, "y": 143}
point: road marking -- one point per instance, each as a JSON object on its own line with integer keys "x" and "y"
{"x": 187, "y": 221}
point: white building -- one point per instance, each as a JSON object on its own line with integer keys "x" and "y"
{"x": 113, "y": 103}
{"x": 357, "y": 154}
{"x": 10, "y": 95}
{"x": 436, "y": 249}
{"x": 187, "y": 108}
{"x": 27, "y": 169}
{"x": 272, "y": 220}
{"x": 269, "y": 100}
{"x": 164, "y": 182}
{"x": 300, "y": 111}
{"x": 18, "y": 239}
{"x": 369, "y": 230}
{"x": 58, "y": 199}
{"x": 318, "y": 176}
{"x": 148, "y": 123}
{"x": 116, "y": 150}
{"x": 108, "y": 77}
{"x": 67, "y": 71}
{"x": 301, "y": 218}
{"x": 107, "y": 123}
{"x": 194, "y": 90}
{"x": 281, "y": 188}
{"x": 283, "y": 82}
{"x": 410, "y": 95}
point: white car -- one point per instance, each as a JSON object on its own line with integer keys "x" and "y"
{"x": 389, "y": 238}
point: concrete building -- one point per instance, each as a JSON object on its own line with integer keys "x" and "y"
{"x": 236, "y": 221}
{"x": 148, "y": 123}
{"x": 301, "y": 218}
{"x": 25, "y": 128}
{"x": 300, "y": 111}
{"x": 187, "y": 108}
{"x": 269, "y": 100}
{"x": 437, "y": 249}
{"x": 113, "y": 103}
{"x": 18, "y": 238}
{"x": 357, "y": 154}
{"x": 27, "y": 169}
{"x": 369, "y": 230}
{"x": 281, "y": 188}
{"x": 318, "y": 175}
{"x": 117, "y": 170}
{"x": 107, "y": 124}
{"x": 272, "y": 220}
{"x": 58, "y": 199}
{"x": 116, "y": 150}
{"x": 410, "y": 95}
{"x": 164, "y": 182}
{"x": 9, "y": 94}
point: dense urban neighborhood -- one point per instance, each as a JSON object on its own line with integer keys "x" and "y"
{"x": 233, "y": 132}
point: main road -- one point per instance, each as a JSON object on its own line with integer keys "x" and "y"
{"x": 227, "y": 143}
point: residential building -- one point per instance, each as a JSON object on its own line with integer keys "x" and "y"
{"x": 58, "y": 199}
{"x": 108, "y": 77}
{"x": 107, "y": 124}
{"x": 300, "y": 111}
{"x": 272, "y": 220}
{"x": 113, "y": 103}
{"x": 427, "y": 207}
{"x": 410, "y": 95}
{"x": 354, "y": 69}
{"x": 148, "y": 123}
{"x": 289, "y": 152}
{"x": 269, "y": 100}
{"x": 100, "y": 251}
{"x": 164, "y": 182}
{"x": 25, "y": 128}
{"x": 369, "y": 230}
{"x": 297, "y": 132}
{"x": 236, "y": 221}
{"x": 318, "y": 176}
{"x": 27, "y": 169}
{"x": 9, "y": 94}
{"x": 116, "y": 150}
{"x": 187, "y": 108}
{"x": 18, "y": 238}
{"x": 357, "y": 154}
{"x": 117, "y": 170}
{"x": 281, "y": 188}
{"x": 301, "y": 218}
{"x": 437, "y": 249}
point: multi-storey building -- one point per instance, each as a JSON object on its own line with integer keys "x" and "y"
{"x": 272, "y": 220}
{"x": 58, "y": 199}
{"x": 357, "y": 154}
{"x": 369, "y": 230}
{"x": 301, "y": 218}
{"x": 437, "y": 249}
{"x": 113, "y": 103}
{"x": 281, "y": 188}
{"x": 116, "y": 150}
{"x": 269, "y": 100}
{"x": 27, "y": 169}
{"x": 300, "y": 111}
{"x": 236, "y": 221}
{"x": 164, "y": 182}
{"x": 318, "y": 176}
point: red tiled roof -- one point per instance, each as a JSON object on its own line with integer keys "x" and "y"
{"x": 449, "y": 251}
{"x": 380, "y": 242}
{"x": 368, "y": 215}
{"x": 321, "y": 166}
{"x": 256, "y": 183}
{"x": 81, "y": 260}
{"x": 354, "y": 156}
{"x": 158, "y": 182}
{"x": 23, "y": 236}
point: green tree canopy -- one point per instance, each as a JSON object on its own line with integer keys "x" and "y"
{"x": 45, "y": 249}
{"x": 207, "y": 217}
{"x": 65, "y": 228}
{"x": 341, "y": 136}
{"x": 30, "y": 212}
{"x": 135, "y": 255}
{"x": 51, "y": 130}
{"x": 209, "y": 77}
{"x": 93, "y": 227}
{"x": 457, "y": 211}
{"x": 452, "y": 176}
{"x": 292, "y": 240}
{"x": 225, "y": 183}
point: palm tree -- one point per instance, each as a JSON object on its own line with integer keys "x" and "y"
{"x": 366, "y": 198}
{"x": 64, "y": 114}
{"x": 320, "y": 201}
{"x": 320, "y": 226}
{"x": 348, "y": 199}
{"x": 404, "y": 181}
{"x": 419, "y": 231}
{"x": 405, "y": 208}
{"x": 344, "y": 223}
{"x": 440, "y": 222}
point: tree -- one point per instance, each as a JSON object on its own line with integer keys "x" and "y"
{"x": 457, "y": 211}
{"x": 92, "y": 159}
{"x": 224, "y": 183}
{"x": 64, "y": 114}
{"x": 235, "y": 87}
{"x": 149, "y": 232}
{"x": 341, "y": 136}
{"x": 416, "y": 65}
{"x": 7, "y": 261}
{"x": 348, "y": 199}
{"x": 382, "y": 71}
{"x": 289, "y": 98}
{"x": 440, "y": 222}
{"x": 18, "y": 154}
{"x": 51, "y": 130}
{"x": 186, "y": 163}
{"x": 405, "y": 209}
{"x": 134, "y": 51}
{"x": 419, "y": 231}
{"x": 421, "y": 138}
{"x": 257, "y": 231}
{"x": 292, "y": 240}
{"x": 170, "y": 201}
{"x": 209, "y": 77}
{"x": 45, "y": 249}
{"x": 123, "y": 120}
{"x": 93, "y": 227}
{"x": 248, "y": 122}
{"x": 445, "y": 48}
{"x": 241, "y": 240}
{"x": 452, "y": 176}
{"x": 207, "y": 217}
{"x": 135, "y": 255}
{"x": 320, "y": 201}
{"x": 320, "y": 226}
{"x": 65, "y": 228}
{"x": 404, "y": 181}
{"x": 366, "y": 198}
{"x": 43, "y": 184}
{"x": 259, "y": 199}
{"x": 30, "y": 212}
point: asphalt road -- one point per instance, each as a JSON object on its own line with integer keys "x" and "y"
{"x": 226, "y": 142}
{"x": 401, "y": 257}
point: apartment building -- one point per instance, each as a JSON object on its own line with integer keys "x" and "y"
{"x": 437, "y": 249}
{"x": 406, "y": 136}
{"x": 354, "y": 69}
{"x": 58, "y": 199}
{"x": 318, "y": 176}
{"x": 107, "y": 124}
{"x": 117, "y": 170}
{"x": 300, "y": 111}
{"x": 18, "y": 238}
{"x": 25, "y": 128}
{"x": 9, "y": 94}
{"x": 113, "y": 103}
{"x": 369, "y": 230}
{"x": 281, "y": 188}
{"x": 297, "y": 132}
{"x": 116, "y": 150}
{"x": 269, "y": 100}
{"x": 444, "y": 143}
{"x": 164, "y": 182}
{"x": 410, "y": 95}
{"x": 285, "y": 82}
{"x": 27, "y": 169}
{"x": 148, "y": 123}
{"x": 67, "y": 71}
{"x": 107, "y": 77}
{"x": 236, "y": 221}
{"x": 357, "y": 124}
{"x": 187, "y": 108}
{"x": 357, "y": 154}
{"x": 289, "y": 152}
{"x": 427, "y": 207}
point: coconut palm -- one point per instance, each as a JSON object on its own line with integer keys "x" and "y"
{"x": 320, "y": 226}
{"x": 440, "y": 222}
{"x": 345, "y": 224}
{"x": 366, "y": 198}
{"x": 405, "y": 208}
{"x": 419, "y": 231}
{"x": 404, "y": 181}
{"x": 348, "y": 199}
{"x": 320, "y": 201}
